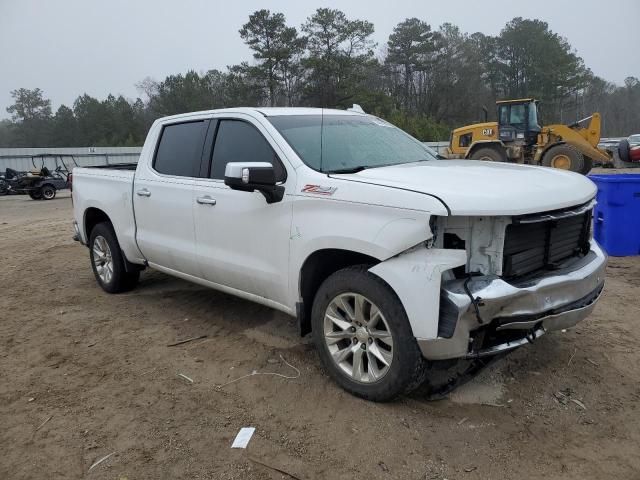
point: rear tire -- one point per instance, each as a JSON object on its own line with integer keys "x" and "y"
{"x": 564, "y": 157}
{"x": 48, "y": 192}
{"x": 371, "y": 355}
{"x": 35, "y": 194}
{"x": 588, "y": 165}
{"x": 489, "y": 154}
{"x": 108, "y": 262}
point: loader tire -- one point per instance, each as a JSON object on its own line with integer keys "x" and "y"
{"x": 564, "y": 157}
{"x": 489, "y": 154}
{"x": 588, "y": 165}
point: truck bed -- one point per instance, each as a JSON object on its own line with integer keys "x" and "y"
{"x": 117, "y": 166}
{"x": 108, "y": 188}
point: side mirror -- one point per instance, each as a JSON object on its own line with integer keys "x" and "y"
{"x": 251, "y": 176}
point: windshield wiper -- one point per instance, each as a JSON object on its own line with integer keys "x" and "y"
{"x": 357, "y": 169}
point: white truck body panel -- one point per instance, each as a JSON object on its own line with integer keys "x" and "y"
{"x": 109, "y": 191}
{"x": 485, "y": 188}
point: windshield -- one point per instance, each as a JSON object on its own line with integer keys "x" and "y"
{"x": 634, "y": 139}
{"x": 330, "y": 143}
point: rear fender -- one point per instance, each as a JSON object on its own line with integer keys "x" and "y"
{"x": 415, "y": 276}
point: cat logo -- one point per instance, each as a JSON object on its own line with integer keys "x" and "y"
{"x": 487, "y": 132}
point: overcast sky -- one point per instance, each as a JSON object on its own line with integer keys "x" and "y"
{"x": 71, "y": 47}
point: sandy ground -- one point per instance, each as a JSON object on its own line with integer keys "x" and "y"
{"x": 84, "y": 374}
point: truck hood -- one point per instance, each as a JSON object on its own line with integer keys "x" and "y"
{"x": 472, "y": 187}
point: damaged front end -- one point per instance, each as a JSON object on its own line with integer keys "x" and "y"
{"x": 485, "y": 315}
{"x": 525, "y": 276}
{"x": 486, "y": 285}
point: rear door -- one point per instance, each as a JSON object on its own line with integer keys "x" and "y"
{"x": 163, "y": 197}
{"x": 243, "y": 242}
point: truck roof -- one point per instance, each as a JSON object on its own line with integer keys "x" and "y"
{"x": 515, "y": 100}
{"x": 268, "y": 111}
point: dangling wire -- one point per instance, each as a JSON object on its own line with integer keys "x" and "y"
{"x": 474, "y": 300}
{"x": 288, "y": 377}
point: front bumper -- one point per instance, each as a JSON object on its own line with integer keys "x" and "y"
{"x": 508, "y": 315}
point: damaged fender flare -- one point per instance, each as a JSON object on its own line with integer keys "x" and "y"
{"x": 415, "y": 276}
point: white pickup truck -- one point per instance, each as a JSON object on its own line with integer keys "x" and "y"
{"x": 390, "y": 257}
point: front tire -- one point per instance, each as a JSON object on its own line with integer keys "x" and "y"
{"x": 48, "y": 192}
{"x": 35, "y": 194}
{"x": 488, "y": 154}
{"x": 363, "y": 336}
{"x": 107, "y": 261}
{"x": 564, "y": 157}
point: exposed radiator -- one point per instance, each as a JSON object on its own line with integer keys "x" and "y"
{"x": 531, "y": 247}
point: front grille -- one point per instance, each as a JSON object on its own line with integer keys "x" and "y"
{"x": 532, "y": 247}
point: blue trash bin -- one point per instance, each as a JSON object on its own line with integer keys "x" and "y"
{"x": 616, "y": 218}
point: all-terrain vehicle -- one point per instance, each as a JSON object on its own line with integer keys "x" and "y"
{"x": 39, "y": 183}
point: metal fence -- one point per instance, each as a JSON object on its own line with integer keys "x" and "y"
{"x": 23, "y": 159}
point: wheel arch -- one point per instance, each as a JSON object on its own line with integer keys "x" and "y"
{"x": 92, "y": 217}
{"x": 316, "y": 268}
{"x": 483, "y": 144}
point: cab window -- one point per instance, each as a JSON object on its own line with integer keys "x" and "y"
{"x": 239, "y": 141}
{"x": 504, "y": 115}
{"x": 518, "y": 116}
{"x": 179, "y": 150}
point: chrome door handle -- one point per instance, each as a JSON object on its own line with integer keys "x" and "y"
{"x": 206, "y": 200}
{"x": 143, "y": 193}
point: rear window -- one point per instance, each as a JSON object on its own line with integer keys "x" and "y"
{"x": 180, "y": 149}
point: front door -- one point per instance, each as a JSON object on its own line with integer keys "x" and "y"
{"x": 242, "y": 242}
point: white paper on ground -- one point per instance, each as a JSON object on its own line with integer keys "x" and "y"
{"x": 243, "y": 437}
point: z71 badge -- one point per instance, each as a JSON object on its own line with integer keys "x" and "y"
{"x": 319, "y": 189}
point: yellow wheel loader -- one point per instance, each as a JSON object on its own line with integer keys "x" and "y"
{"x": 519, "y": 137}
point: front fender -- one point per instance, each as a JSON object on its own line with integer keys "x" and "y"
{"x": 373, "y": 230}
{"x": 415, "y": 276}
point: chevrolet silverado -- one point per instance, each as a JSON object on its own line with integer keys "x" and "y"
{"x": 389, "y": 257}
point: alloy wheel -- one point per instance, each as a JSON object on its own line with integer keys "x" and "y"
{"x": 358, "y": 337}
{"x": 102, "y": 259}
